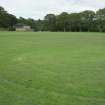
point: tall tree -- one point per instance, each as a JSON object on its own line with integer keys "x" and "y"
{"x": 87, "y": 19}
{"x": 6, "y": 20}
{"x": 100, "y": 18}
{"x": 62, "y": 21}
{"x": 50, "y": 22}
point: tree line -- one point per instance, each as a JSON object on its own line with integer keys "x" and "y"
{"x": 86, "y": 21}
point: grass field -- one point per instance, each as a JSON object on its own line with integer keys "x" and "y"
{"x": 52, "y": 68}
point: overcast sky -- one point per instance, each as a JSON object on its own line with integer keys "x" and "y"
{"x": 39, "y": 8}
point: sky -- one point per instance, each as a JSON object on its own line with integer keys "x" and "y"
{"x": 39, "y": 8}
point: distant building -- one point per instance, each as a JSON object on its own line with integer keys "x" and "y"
{"x": 22, "y": 27}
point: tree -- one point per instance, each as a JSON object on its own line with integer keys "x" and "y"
{"x": 12, "y": 22}
{"x": 74, "y": 22}
{"x": 87, "y": 19}
{"x": 62, "y": 21}
{"x": 100, "y": 18}
{"x": 50, "y": 22}
{"x": 6, "y": 20}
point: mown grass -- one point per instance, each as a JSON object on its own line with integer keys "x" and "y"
{"x": 52, "y": 68}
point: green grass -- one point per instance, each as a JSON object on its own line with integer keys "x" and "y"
{"x": 52, "y": 68}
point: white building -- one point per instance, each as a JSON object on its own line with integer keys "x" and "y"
{"x": 22, "y": 27}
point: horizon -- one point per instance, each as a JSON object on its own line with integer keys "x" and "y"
{"x": 37, "y": 10}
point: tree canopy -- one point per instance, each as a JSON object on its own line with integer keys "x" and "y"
{"x": 70, "y": 22}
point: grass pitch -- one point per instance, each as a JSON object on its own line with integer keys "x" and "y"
{"x": 52, "y": 68}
